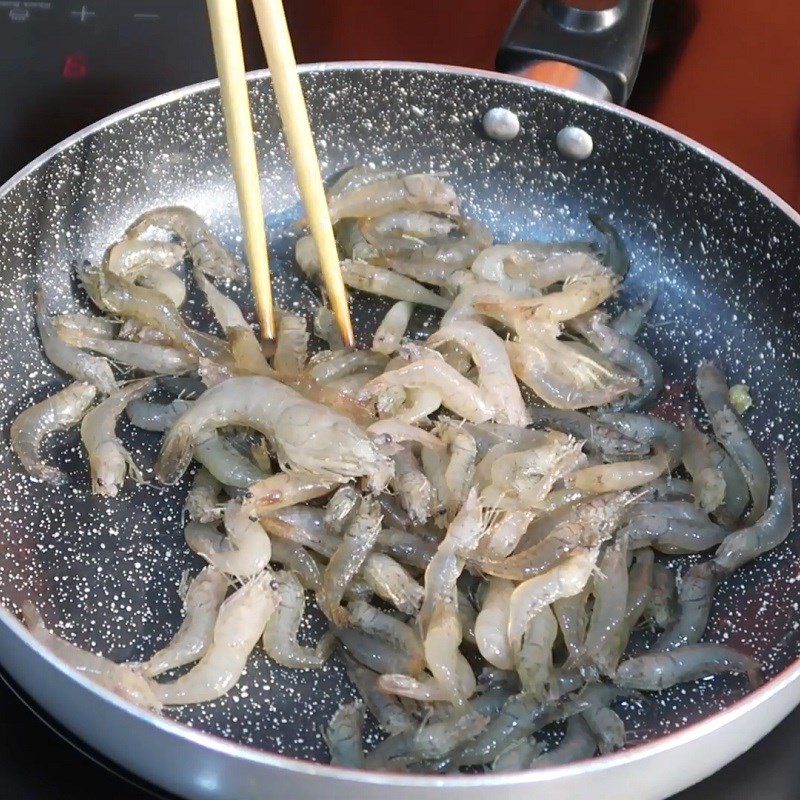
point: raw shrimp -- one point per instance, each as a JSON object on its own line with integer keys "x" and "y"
{"x": 341, "y": 508}
{"x": 628, "y": 355}
{"x": 79, "y": 365}
{"x": 326, "y": 327}
{"x": 389, "y": 713}
{"x": 461, "y": 539}
{"x": 646, "y": 429}
{"x": 280, "y": 634}
{"x": 517, "y": 755}
{"x": 244, "y": 346}
{"x": 732, "y": 435}
{"x": 359, "y": 538}
{"x": 118, "y": 678}
{"x": 563, "y": 374}
{"x": 460, "y": 470}
{"x": 300, "y": 562}
{"x": 376, "y": 280}
{"x": 598, "y": 437}
{"x": 393, "y": 327}
{"x": 153, "y": 358}
{"x": 457, "y": 393}
{"x": 437, "y": 739}
{"x": 578, "y": 743}
{"x": 241, "y": 620}
{"x": 426, "y": 690}
{"x": 59, "y": 412}
{"x": 343, "y": 736}
{"x": 701, "y": 461}
{"x": 495, "y": 376}
{"x": 71, "y": 326}
{"x": 772, "y": 528}
{"x": 610, "y": 590}
{"x": 506, "y": 533}
{"x": 156, "y": 416}
{"x": 630, "y": 321}
{"x": 203, "y": 248}
{"x": 291, "y": 346}
{"x": 149, "y": 307}
{"x": 226, "y": 463}
{"x": 491, "y": 626}
{"x": 381, "y": 655}
{"x": 399, "y": 431}
{"x": 622, "y": 475}
{"x": 663, "y": 603}
{"x": 109, "y": 460}
{"x": 408, "y": 192}
{"x": 306, "y": 435}
{"x": 605, "y": 724}
{"x": 202, "y": 500}
{"x": 694, "y": 604}
{"x": 344, "y": 363}
{"x": 381, "y": 626}
{"x": 585, "y": 528}
{"x": 392, "y": 583}
{"x": 360, "y": 175}
{"x": 573, "y": 621}
{"x": 130, "y": 257}
{"x": 412, "y": 487}
{"x": 654, "y": 672}
{"x": 578, "y": 296}
{"x": 408, "y": 548}
{"x": 203, "y": 599}
{"x": 534, "y": 660}
{"x": 564, "y": 580}
{"x": 443, "y": 634}
{"x": 673, "y": 535}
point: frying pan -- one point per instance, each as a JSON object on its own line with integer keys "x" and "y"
{"x": 720, "y": 248}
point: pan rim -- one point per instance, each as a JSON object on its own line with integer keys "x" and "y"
{"x": 662, "y": 744}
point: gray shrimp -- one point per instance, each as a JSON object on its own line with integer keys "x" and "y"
{"x": 534, "y": 659}
{"x": 59, "y": 412}
{"x": 518, "y": 755}
{"x": 673, "y": 535}
{"x": 151, "y": 416}
{"x": 372, "y": 279}
{"x": 82, "y": 366}
{"x": 694, "y": 605}
{"x": 610, "y": 591}
{"x": 155, "y": 358}
{"x": 70, "y": 326}
{"x": 663, "y": 603}
{"x": 600, "y": 439}
{"x": 301, "y": 562}
{"x": 344, "y": 736}
{"x": 703, "y": 462}
{"x": 392, "y": 583}
{"x": 341, "y": 509}
{"x": 729, "y": 430}
{"x": 407, "y": 547}
{"x": 630, "y": 356}
{"x": 203, "y": 248}
{"x": 334, "y": 365}
{"x": 578, "y": 743}
{"x": 359, "y": 538}
{"x": 379, "y": 655}
{"x": 109, "y": 460}
{"x": 769, "y": 531}
{"x": 326, "y": 328}
{"x": 191, "y": 641}
{"x": 280, "y": 634}
{"x": 605, "y": 724}
{"x": 630, "y": 321}
{"x": 646, "y": 429}
{"x": 573, "y": 621}
{"x": 388, "y": 711}
{"x": 436, "y": 739}
{"x": 654, "y": 672}
{"x": 203, "y": 498}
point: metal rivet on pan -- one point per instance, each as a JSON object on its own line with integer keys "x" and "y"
{"x": 501, "y": 124}
{"x": 574, "y": 143}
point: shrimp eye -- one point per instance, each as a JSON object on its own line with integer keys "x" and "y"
{"x": 274, "y": 585}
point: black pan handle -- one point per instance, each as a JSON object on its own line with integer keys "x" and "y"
{"x": 590, "y": 46}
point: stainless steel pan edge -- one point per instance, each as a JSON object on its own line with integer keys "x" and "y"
{"x": 152, "y": 746}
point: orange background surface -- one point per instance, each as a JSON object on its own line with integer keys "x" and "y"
{"x": 735, "y": 85}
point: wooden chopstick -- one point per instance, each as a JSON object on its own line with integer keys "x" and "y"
{"x": 227, "y": 42}
{"x": 294, "y": 115}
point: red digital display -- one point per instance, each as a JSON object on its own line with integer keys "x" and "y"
{"x": 75, "y": 67}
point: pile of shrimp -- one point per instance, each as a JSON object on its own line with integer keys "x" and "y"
{"x": 482, "y": 515}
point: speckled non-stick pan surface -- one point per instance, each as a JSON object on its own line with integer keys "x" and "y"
{"x": 723, "y": 257}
